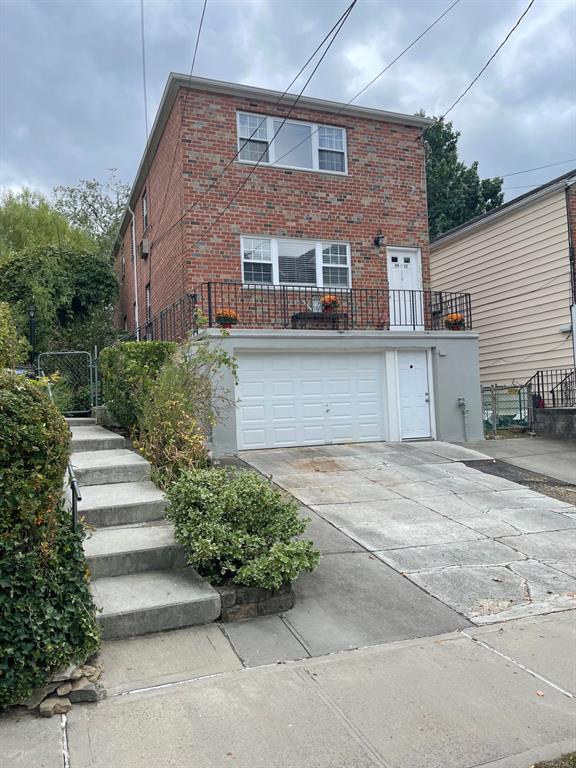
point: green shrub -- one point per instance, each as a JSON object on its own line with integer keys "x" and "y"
{"x": 13, "y": 347}
{"x": 236, "y": 525}
{"x": 34, "y": 449}
{"x": 129, "y": 370}
{"x": 48, "y": 617}
{"x": 177, "y": 417}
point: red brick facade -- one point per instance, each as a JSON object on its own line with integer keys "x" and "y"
{"x": 383, "y": 190}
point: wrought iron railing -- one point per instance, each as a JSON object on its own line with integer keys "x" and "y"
{"x": 301, "y": 307}
{"x": 553, "y": 388}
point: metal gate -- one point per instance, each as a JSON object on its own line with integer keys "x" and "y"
{"x": 75, "y": 388}
{"x": 505, "y": 408}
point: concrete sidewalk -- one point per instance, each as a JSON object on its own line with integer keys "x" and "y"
{"x": 553, "y": 458}
{"x": 495, "y": 696}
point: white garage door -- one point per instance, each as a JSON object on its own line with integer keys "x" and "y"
{"x": 309, "y": 399}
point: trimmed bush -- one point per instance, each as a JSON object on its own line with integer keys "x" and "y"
{"x": 13, "y": 347}
{"x": 236, "y": 526}
{"x": 129, "y": 370}
{"x": 48, "y": 617}
{"x": 34, "y": 450}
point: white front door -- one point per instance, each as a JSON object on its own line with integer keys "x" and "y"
{"x": 291, "y": 399}
{"x": 405, "y": 286}
{"x": 414, "y": 394}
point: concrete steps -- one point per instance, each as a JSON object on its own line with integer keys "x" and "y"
{"x": 120, "y": 550}
{"x": 139, "y": 576}
{"x": 109, "y": 466}
{"x": 121, "y": 504}
{"x": 80, "y": 421}
{"x": 95, "y": 438}
{"x": 142, "y": 603}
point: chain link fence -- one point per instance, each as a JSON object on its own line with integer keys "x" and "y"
{"x": 75, "y": 387}
{"x": 506, "y": 409}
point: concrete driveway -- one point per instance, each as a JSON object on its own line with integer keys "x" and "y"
{"x": 392, "y": 516}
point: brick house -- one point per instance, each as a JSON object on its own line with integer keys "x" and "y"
{"x": 335, "y": 208}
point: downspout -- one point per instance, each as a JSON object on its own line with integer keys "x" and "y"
{"x": 134, "y": 263}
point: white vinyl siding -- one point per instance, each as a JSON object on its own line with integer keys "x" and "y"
{"x": 516, "y": 268}
{"x": 284, "y": 261}
{"x": 292, "y": 144}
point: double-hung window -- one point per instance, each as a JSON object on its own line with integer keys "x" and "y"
{"x": 291, "y": 144}
{"x": 283, "y": 261}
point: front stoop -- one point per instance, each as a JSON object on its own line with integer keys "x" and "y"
{"x": 140, "y": 581}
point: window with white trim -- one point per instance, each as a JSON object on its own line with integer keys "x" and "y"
{"x": 298, "y": 144}
{"x": 283, "y": 261}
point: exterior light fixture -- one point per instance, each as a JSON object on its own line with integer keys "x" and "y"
{"x": 379, "y": 239}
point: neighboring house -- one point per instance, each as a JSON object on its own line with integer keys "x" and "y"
{"x": 517, "y": 263}
{"x": 336, "y": 208}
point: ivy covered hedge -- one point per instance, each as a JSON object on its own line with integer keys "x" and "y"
{"x": 48, "y": 616}
{"x": 236, "y": 526}
{"x": 129, "y": 370}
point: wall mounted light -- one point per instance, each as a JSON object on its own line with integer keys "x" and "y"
{"x": 379, "y": 239}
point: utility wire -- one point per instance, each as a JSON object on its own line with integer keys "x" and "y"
{"x": 538, "y": 168}
{"x": 339, "y": 111}
{"x": 143, "y": 46}
{"x": 485, "y": 67}
{"x": 231, "y": 161}
{"x": 177, "y": 143}
{"x": 253, "y": 169}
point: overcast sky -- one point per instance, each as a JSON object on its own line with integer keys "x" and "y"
{"x": 71, "y": 74}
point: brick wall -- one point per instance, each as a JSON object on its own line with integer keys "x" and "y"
{"x": 384, "y": 190}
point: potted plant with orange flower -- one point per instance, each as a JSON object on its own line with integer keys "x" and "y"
{"x": 329, "y": 303}
{"x": 226, "y": 317}
{"x": 455, "y": 322}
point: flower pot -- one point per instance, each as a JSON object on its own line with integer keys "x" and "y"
{"x": 226, "y": 322}
{"x": 456, "y": 326}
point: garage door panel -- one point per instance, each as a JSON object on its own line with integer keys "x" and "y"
{"x": 343, "y": 401}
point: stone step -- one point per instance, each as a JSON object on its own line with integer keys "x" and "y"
{"x": 120, "y": 550}
{"x": 80, "y": 421}
{"x": 121, "y": 504}
{"x": 141, "y": 603}
{"x": 94, "y": 438}
{"x": 115, "y": 466}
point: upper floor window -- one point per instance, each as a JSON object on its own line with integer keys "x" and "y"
{"x": 296, "y": 144}
{"x": 145, "y": 210}
{"x": 283, "y": 261}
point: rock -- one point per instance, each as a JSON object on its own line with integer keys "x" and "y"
{"x": 83, "y": 690}
{"x": 76, "y": 674}
{"x": 88, "y": 670}
{"x": 63, "y": 674}
{"x": 54, "y": 706}
{"x": 95, "y": 677}
{"x": 38, "y": 694}
{"x": 64, "y": 689}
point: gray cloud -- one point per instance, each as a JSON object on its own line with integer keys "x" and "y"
{"x": 71, "y": 82}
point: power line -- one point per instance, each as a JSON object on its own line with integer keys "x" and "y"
{"x": 253, "y": 169}
{"x": 485, "y": 67}
{"x": 177, "y": 143}
{"x": 538, "y": 168}
{"x": 339, "y": 111}
{"x": 231, "y": 161}
{"x": 143, "y": 46}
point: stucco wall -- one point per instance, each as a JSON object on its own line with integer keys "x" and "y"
{"x": 454, "y": 371}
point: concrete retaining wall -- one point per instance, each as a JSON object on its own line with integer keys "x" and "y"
{"x": 555, "y": 422}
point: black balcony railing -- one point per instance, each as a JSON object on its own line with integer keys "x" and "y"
{"x": 553, "y": 388}
{"x": 303, "y": 308}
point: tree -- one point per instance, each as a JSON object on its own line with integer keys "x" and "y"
{"x": 94, "y": 208}
{"x": 73, "y": 293}
{"x": 456, "y": 193}
{"x": 28, "y": 220}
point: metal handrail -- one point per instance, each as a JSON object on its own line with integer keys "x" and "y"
{"x": 72, "y": 481}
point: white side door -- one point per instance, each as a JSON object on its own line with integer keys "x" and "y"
{"x": 414, "y": 394}
{"x": 405, "y": 286}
